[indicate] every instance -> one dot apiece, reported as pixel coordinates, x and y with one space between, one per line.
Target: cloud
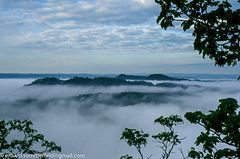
88 26
112 39
91 36
23 4
85 126
146 3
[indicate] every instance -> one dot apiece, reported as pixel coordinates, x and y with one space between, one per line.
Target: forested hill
159 77
98 81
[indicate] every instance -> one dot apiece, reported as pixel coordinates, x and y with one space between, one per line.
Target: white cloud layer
60 36
95 128
113 26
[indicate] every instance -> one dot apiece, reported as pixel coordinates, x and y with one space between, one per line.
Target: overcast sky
93 36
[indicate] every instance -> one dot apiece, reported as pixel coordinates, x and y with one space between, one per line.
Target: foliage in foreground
220 138
214 25
18 137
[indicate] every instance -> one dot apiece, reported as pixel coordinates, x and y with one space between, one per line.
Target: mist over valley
90 118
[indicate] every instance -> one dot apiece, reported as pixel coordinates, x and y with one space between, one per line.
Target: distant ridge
159 77
187 76
101 81
46 75
131 77
98 81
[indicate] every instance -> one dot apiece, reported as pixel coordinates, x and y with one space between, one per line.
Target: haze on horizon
93 36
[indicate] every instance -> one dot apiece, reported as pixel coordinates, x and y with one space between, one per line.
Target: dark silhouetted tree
18 137
221 136
167 140
215 24
135 138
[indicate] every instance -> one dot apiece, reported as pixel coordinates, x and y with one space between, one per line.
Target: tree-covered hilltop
47 81
99 81
104 81
107 99
159 77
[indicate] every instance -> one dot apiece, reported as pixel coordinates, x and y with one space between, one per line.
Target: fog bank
91 125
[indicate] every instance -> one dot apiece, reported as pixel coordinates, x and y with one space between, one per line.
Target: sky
94 36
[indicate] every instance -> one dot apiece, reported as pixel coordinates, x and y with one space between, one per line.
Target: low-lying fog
90 120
